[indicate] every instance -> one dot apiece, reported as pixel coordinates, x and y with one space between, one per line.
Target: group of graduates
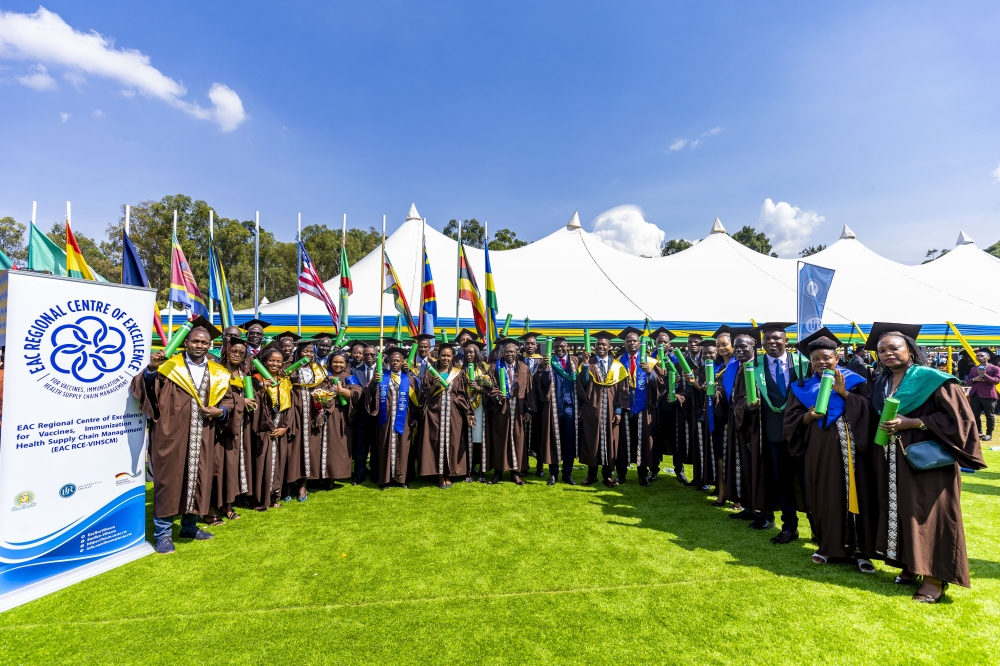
738 407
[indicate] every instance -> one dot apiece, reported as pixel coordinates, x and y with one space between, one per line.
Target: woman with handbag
919 481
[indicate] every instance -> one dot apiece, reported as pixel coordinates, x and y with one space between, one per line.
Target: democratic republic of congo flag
469 290
428 299
491 301
392 286
183 288
76 265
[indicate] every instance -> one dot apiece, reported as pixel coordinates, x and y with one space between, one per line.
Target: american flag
310 283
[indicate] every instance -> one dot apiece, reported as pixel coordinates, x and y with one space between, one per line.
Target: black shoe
644 481
682 478
551 481
761 524
496 479
705 489
745 514
652 475
517 479
785 536
164 546
714 492
539 472
482 479
568 480
197 533
589 481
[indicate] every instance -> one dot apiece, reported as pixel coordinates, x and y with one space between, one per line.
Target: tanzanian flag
346 286
183 288
469 290
428 299
491 302
393 286
218 288
76 265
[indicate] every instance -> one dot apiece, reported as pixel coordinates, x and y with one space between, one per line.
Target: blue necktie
779 377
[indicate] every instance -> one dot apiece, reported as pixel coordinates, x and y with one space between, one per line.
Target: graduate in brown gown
920 512
477 390
270 430
602 391
233 457
665 414
336 463
556 422
703 423
724 363
186 398
684 414
391 398
305 449
445 412
838 481
739 467
507 445
255 340
636 436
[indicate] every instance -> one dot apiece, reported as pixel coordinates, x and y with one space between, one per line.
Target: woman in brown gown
271 427
474 436
308 421
233 455
920 513
335 459
444 413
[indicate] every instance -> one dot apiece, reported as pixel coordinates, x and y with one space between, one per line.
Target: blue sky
883 116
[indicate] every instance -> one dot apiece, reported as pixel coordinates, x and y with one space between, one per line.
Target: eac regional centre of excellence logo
83 348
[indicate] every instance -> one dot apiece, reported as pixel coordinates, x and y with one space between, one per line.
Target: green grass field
482 574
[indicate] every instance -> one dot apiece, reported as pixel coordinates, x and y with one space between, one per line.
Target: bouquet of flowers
322 397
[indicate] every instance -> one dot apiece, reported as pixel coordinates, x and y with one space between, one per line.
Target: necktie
631 365
779 377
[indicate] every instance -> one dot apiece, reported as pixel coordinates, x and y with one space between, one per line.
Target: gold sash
319 375
439 388
616 373
281 394
175 370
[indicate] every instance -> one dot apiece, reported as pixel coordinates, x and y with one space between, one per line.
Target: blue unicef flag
814 287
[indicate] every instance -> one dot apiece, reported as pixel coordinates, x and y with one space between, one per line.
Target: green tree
505 239
812 249
474 235
931 255
756 241
674 246
12 240
92 254
994 249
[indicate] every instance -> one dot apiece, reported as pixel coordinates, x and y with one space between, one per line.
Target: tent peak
413 214
847 233
964 239
574 222
717 227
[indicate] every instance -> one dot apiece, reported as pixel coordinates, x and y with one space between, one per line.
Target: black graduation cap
475 335
354 343
389 351
235 340
707 342
446 345
722 329
629 329
749 331
323 334
425 336
201 322
603 335
803 344
479 345
558 338
505 341
774 326
247 324
662 329
288 334
529 334
880 328
304 342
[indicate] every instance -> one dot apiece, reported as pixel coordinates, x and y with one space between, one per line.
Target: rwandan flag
491 302
428 299
218 288
468 290
134 274
392 286
346 286
76 265
183 288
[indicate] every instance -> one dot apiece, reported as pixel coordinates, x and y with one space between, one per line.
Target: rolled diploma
177 338
262 370
825 387
888 414
750 379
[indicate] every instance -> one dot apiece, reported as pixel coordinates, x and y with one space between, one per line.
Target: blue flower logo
88 349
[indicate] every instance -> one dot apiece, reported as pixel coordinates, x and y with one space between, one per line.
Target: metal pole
344 297
170 303
211 243
34 209
128 215
458 277
489 313
298 272
128 212
256 266
69 222
381 293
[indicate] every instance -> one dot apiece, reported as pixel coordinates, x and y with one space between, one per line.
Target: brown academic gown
547 438
232 452
339 433
440 449
829 454
269 454
636 435
507 445
598 443
751 475
305 450
922 531
699 437
173 455
393 448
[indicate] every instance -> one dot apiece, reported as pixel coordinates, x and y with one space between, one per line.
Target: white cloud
713 131
691 144
76 79
128 94
789 227
98 113
46 38
678 145
63 117
39 79
996 175
625 229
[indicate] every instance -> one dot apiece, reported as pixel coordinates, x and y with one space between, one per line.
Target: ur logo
812 324
88 349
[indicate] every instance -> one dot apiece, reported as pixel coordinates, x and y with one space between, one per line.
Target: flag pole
211 246
170 303
34 209
256 265
489 312
458 277
128 212
343 305
381 293
69 222
128 215
298 292
423 251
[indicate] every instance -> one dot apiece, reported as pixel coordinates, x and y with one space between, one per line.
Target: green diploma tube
177 338
888 414
548 347
506 325
665 362
710 377
341 399
262 370
340 337
444 335
431 369
413 354
471 369
298 364
750 379
643 349
671 383
378 363
825 387
248 387
685 366
586 341
502 377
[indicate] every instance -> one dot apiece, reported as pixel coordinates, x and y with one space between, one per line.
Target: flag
183 288
346 286
814 287
428 299
310 283
218 288
491 301
393 286
5 263
468 290
45 256
134 274
76 265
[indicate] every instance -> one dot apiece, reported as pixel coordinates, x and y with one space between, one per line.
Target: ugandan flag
76 265
392 286
468 290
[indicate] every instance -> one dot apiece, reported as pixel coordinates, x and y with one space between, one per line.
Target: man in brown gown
508 448
702 408
185 399
602 392
556 419
636 436
391 399
444 413
744 471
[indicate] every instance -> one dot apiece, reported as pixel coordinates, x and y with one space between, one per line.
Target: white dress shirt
772 367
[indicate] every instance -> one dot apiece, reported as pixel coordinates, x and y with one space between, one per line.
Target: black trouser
567 438
782 471
365 434
625 448
983 406
605 471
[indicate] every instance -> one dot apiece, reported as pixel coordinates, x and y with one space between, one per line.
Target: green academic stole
175 370
760 369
